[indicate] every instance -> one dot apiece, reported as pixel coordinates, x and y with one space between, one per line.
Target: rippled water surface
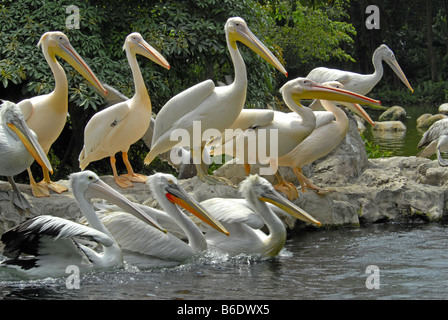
412 263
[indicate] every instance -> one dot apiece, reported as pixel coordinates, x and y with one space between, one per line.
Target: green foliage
311 33
374 151
426 92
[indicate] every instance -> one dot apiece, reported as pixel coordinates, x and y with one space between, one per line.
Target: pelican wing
137 236
429 150
233 211
322 74
27 108
99 127
437 129
248 118
25 237
180 105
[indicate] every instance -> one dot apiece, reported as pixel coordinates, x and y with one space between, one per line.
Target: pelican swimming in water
213 107
45 245
290 128
117 127
362 83
244 219
435 141
18 148
46 115
145 246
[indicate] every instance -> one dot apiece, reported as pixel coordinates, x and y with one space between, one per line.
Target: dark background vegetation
190 34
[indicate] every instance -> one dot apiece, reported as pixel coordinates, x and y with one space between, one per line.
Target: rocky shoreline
363 190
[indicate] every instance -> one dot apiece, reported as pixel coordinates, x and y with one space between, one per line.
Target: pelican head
237 30
167 183
303 88
386 54
57 44
90 185
135 44
264 191
12 117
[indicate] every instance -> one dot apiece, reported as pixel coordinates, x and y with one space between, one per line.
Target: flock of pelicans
45 245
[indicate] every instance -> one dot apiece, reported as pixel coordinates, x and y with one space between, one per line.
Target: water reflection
402 143
392 140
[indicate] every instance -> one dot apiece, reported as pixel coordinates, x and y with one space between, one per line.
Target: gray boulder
443 108
395 113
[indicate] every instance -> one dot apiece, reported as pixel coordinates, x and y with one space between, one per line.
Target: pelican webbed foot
135 177
16 196
306 183
17 199
37 190
122 182
52 186
131 175
287 188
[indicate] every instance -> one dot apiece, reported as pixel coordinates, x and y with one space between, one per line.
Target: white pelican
291 128
185 169
45 245
320 142
117 127
46 114
18 149
362 83
212 107
145 246
244 218
435 141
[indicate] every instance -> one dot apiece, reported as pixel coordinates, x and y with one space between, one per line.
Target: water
401 143
323 264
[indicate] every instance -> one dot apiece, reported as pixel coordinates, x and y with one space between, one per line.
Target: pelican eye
170 181
91 178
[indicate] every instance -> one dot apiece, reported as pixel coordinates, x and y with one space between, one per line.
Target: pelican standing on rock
435 141
362 83
211 107
145 246
18 148
321 141
291 128
244 219
46 115
45 245
117 127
